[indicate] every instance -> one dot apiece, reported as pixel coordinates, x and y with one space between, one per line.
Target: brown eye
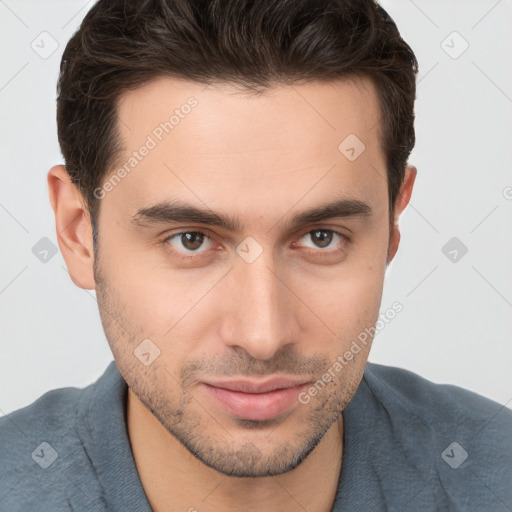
324 240
321 238
189 242
192 241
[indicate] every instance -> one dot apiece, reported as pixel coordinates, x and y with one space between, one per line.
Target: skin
261 159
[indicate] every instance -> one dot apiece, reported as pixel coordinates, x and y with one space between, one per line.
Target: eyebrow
176 211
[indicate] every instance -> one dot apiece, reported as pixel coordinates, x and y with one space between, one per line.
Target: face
240 255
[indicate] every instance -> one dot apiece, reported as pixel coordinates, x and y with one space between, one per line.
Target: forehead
335 108
211 142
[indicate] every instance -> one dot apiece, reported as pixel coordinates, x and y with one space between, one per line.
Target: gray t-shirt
410 445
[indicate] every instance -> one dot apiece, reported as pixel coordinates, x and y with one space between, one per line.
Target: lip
256 400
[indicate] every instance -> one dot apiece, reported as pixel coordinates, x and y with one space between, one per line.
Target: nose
258 310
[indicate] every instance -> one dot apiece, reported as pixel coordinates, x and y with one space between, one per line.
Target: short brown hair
124 44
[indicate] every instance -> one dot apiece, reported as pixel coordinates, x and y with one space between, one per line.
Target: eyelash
344 239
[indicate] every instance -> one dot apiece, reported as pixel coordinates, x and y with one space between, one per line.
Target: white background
456 320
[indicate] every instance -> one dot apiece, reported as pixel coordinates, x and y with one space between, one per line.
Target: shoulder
43 457
442 404
459 440
51 415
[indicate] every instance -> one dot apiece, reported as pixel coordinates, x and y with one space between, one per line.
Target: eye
323 238
188 241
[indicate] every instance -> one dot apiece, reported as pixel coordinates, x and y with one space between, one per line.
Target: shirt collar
370 458
103 426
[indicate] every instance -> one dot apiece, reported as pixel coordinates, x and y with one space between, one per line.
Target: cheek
132 272
348 304
170 307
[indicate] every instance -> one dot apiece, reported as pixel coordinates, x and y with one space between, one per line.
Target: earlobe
73 225
402 201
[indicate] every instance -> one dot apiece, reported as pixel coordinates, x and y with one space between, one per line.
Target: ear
74 231
402 201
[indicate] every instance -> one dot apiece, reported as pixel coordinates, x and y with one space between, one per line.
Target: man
235 172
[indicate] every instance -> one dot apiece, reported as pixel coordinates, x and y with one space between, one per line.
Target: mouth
256 400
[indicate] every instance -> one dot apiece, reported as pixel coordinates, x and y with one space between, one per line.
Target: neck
174 479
